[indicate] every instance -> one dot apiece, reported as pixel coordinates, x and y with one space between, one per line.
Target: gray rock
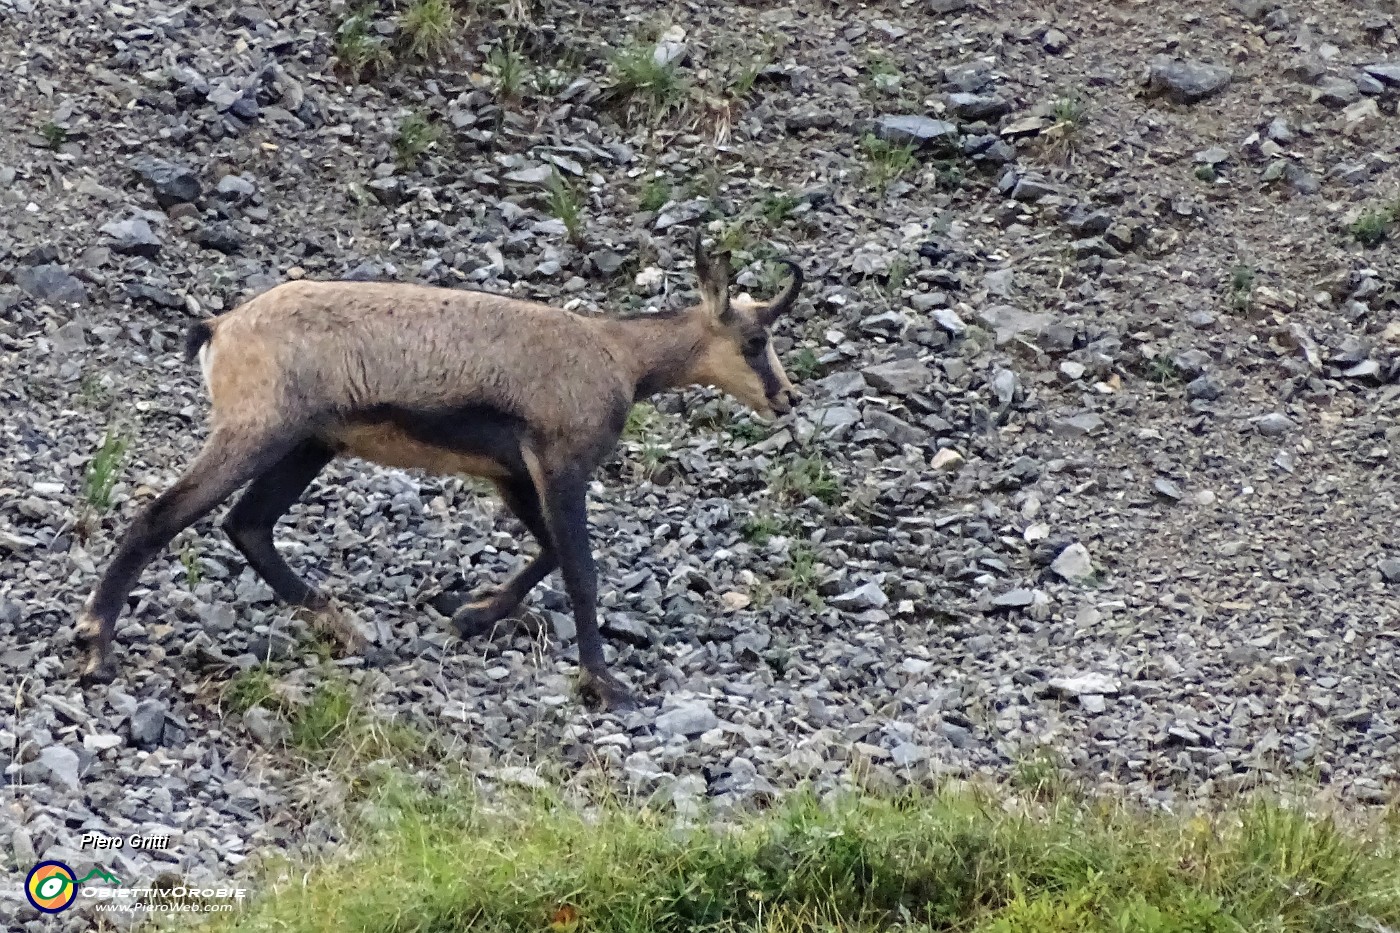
133 236
948 319
1203 388
1009 321
896 429
899 377
914 130
906 754
1030 188
235 188
1390 570
1091 684
171 182
689 720
1186 82
60 764
865 596
148 723
1167 489
978 106
1387 73
1054 41
1274 424
1014 599
1336 92
1074 563
265 728
947 6
51 283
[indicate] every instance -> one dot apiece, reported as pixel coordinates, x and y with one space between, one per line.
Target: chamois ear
781 304
712 274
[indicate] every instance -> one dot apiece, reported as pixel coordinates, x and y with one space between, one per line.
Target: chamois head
737 356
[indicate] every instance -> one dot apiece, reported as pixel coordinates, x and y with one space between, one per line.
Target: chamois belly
470 439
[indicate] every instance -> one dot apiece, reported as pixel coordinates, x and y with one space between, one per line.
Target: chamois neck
660 350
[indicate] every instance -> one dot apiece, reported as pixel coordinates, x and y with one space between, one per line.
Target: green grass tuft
416 135
508 70
54 135
807 476
656 193
250 688
428 28
1373 227
885 162
635 73
565 202
948 861
358 50
103 471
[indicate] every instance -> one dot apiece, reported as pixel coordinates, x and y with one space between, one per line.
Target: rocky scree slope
1099 347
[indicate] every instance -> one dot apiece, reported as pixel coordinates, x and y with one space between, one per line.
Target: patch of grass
800 583
93 394
508 70
103 471
885 162
635 73
656 193
54 135
565 202
327 718
950 860
1373 226
189 559
1240 288
777 208
896 275
744 81
884 74
805 477
640 421
428 28
1162 369
249 688
747 431
761 528
804 365
1206 173
1061 139
416 135
358 49
1041 776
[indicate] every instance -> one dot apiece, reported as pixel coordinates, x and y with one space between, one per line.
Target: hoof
447 603
475 619
98 669
607 692
314 601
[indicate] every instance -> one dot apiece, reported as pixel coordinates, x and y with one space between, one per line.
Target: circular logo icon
51 887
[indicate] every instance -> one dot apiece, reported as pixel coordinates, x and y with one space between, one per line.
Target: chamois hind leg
228 460
477 617
250 522
566 512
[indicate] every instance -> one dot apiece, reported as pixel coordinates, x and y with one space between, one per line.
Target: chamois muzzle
784 401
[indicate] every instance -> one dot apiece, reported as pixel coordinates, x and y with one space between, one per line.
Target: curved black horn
780 305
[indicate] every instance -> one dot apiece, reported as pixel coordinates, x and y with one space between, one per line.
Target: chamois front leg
566 511
471 619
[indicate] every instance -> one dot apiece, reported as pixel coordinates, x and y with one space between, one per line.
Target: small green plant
428 28
417 134
804 364
777 208
1241 287
358 49
507 69
734 238
565 202
884 75
807 477
801 580
1206 173
1061 139
640 421
328 716
1373 226
1162 369
746 78
747 431
103 471
635 72
886 162
54 135
189 559
656 193
896 275
249 688
1041 775
93 393
761 528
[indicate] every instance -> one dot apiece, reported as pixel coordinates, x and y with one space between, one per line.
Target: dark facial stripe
764 370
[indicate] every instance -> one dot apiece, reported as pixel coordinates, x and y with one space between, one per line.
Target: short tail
196 338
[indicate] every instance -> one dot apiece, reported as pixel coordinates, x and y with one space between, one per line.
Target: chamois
528 396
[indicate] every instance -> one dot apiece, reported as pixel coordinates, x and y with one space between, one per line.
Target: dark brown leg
476 618
250 522
566 513
227 461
